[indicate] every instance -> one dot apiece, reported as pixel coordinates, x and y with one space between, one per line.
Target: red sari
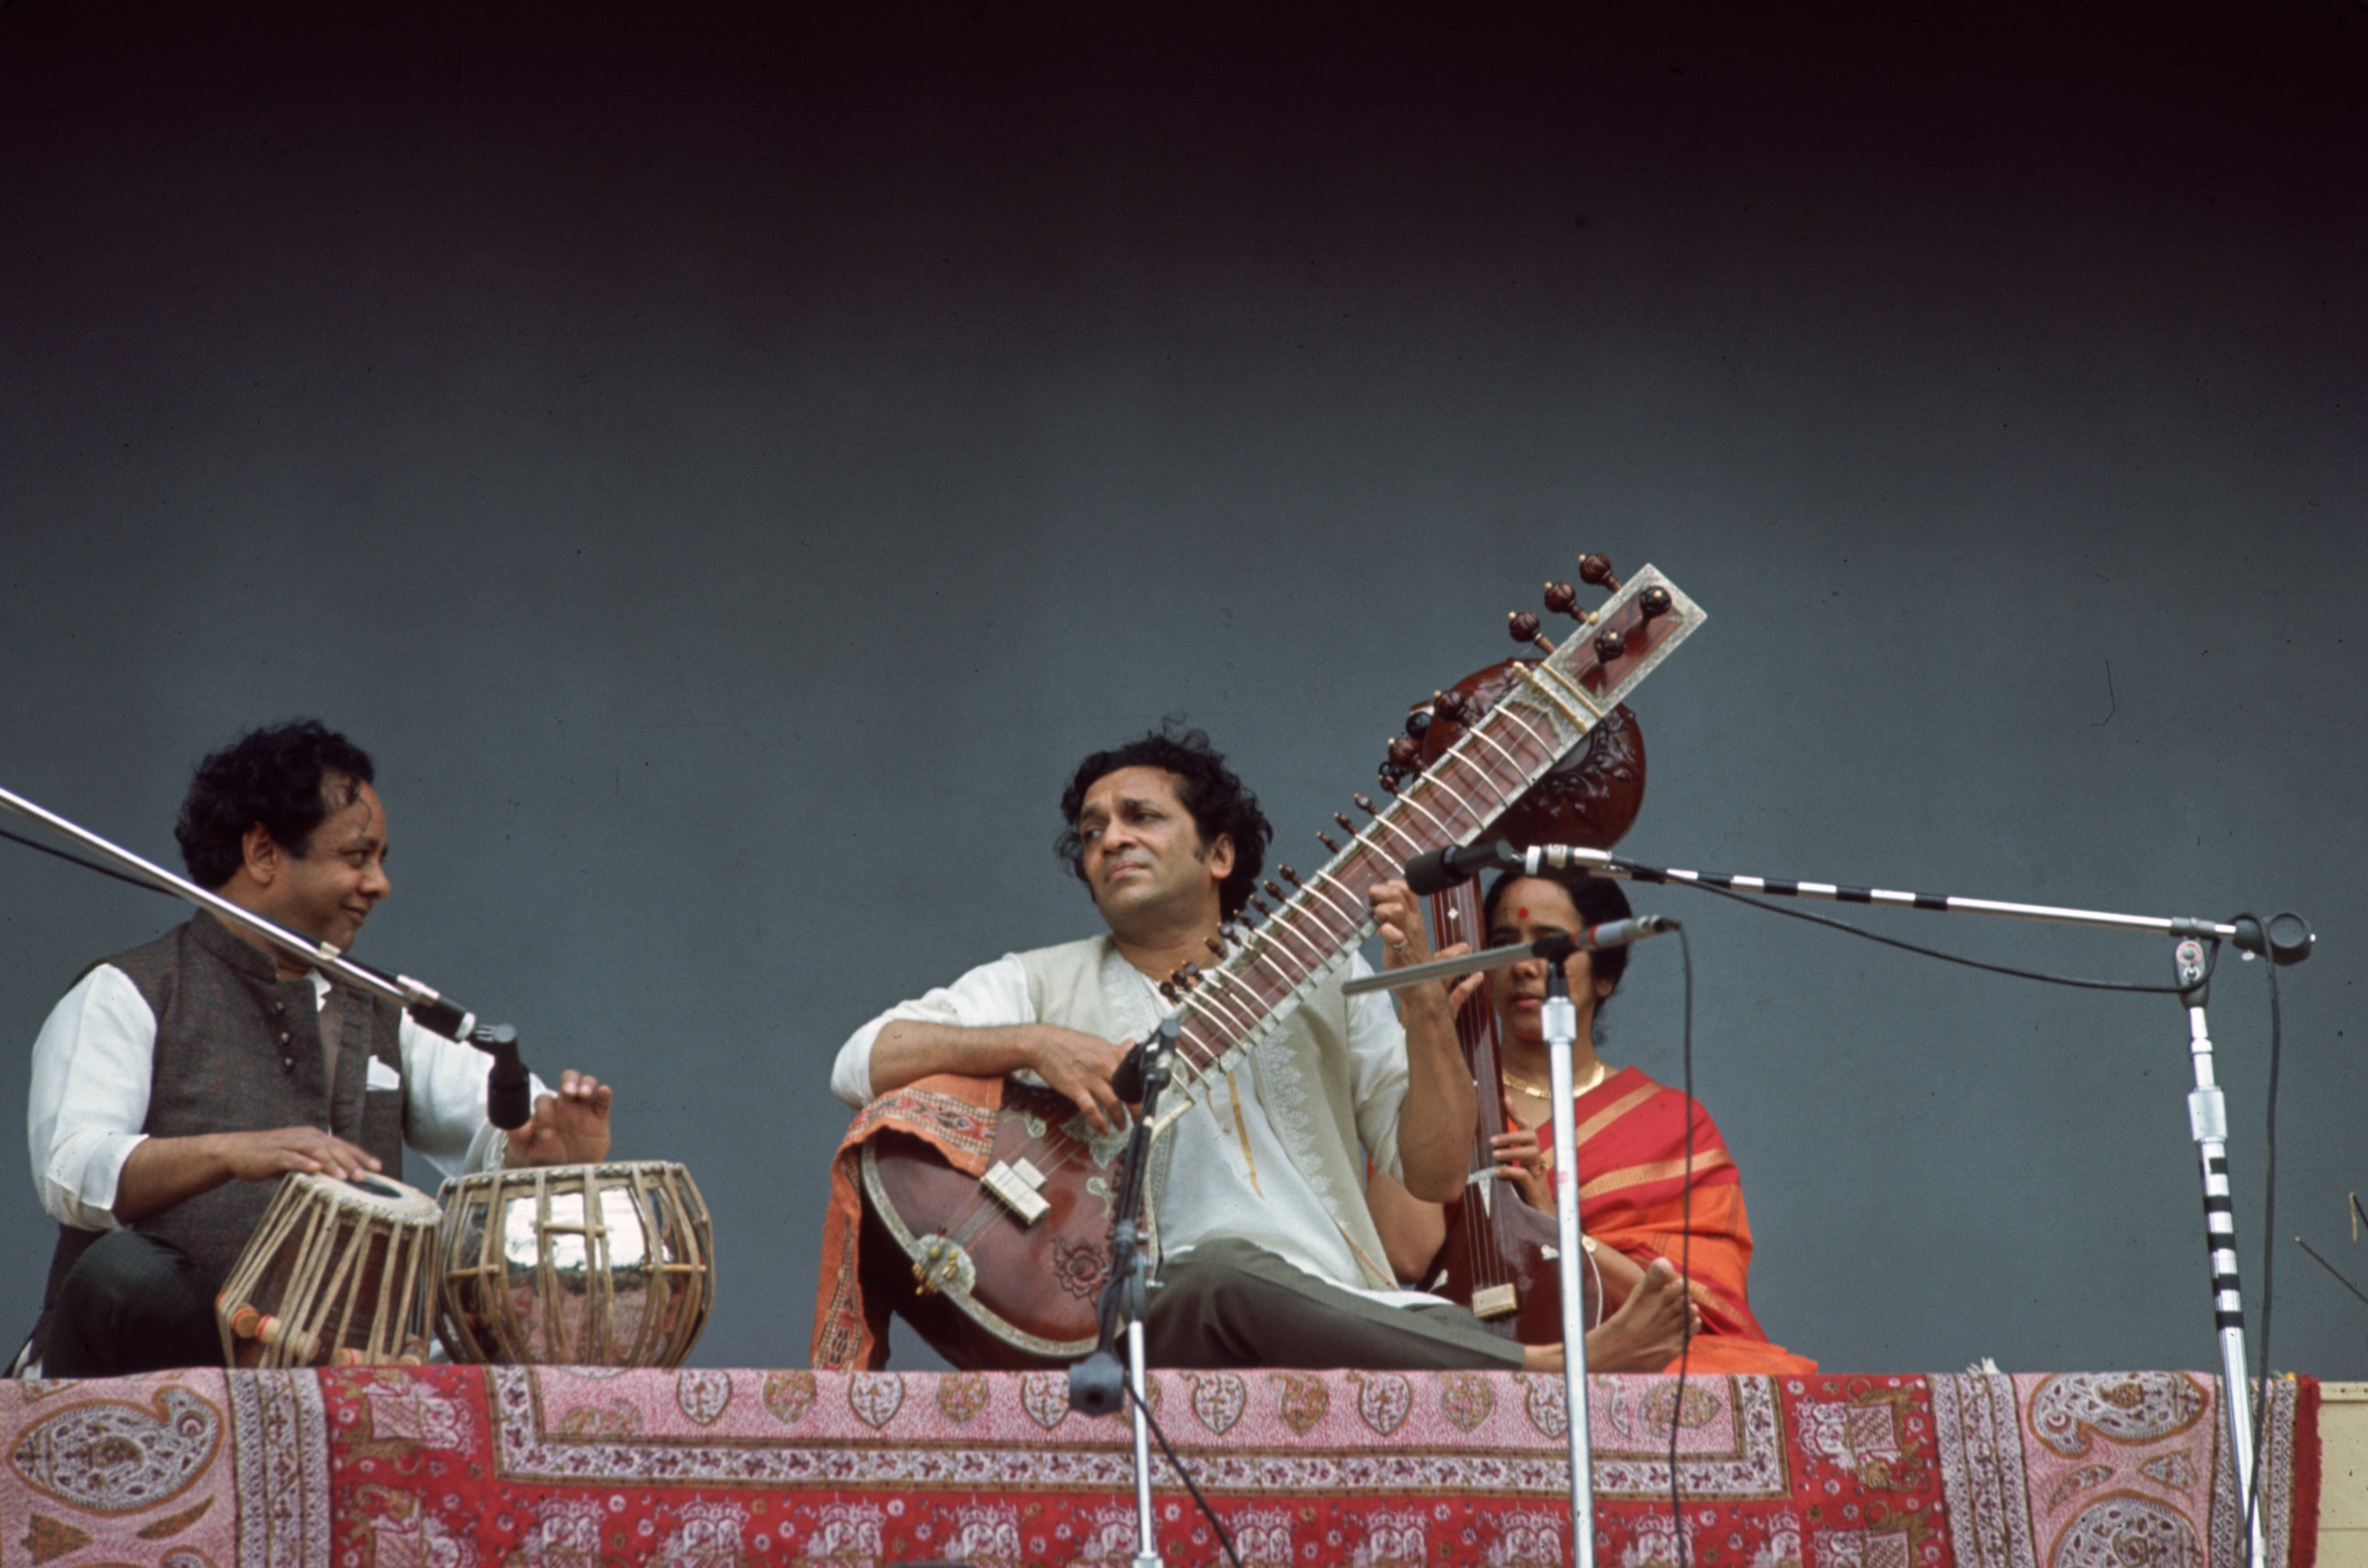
1632 1196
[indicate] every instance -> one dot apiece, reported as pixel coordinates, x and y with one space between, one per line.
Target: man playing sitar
1268 1255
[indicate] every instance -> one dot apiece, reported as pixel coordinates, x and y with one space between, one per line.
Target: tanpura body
1498 1257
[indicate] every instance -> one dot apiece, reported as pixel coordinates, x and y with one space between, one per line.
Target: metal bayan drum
609 1264
339 1273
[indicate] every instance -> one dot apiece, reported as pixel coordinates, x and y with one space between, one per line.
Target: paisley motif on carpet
452 1467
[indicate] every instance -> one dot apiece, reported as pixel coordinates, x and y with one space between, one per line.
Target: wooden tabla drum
609 1264
339 1274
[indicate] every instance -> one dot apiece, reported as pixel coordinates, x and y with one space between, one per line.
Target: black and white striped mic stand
2285 939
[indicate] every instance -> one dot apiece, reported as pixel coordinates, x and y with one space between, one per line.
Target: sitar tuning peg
1217 946
1168 989
1387 778
1272 891
1609 644
1405 752
1261 906
1527 628
1596 569
1288 874
1346 825
1452 706
1653 603
1326 839
1365 804
1562 599
1416 721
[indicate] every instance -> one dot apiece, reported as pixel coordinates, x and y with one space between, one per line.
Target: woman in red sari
1634 1165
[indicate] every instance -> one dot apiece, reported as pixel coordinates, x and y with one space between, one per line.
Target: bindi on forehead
1520 913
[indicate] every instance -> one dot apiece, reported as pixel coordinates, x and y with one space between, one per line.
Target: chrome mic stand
2207 1112
508 1102
1561 1021
1094 1383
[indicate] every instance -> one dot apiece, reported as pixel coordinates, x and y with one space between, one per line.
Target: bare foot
1643 1336
1650 1328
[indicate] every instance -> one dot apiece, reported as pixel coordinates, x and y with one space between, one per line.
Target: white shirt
1242 1183
92 1067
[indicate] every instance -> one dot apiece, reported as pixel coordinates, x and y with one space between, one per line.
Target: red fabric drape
1632 1195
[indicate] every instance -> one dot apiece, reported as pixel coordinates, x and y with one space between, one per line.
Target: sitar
1004 1272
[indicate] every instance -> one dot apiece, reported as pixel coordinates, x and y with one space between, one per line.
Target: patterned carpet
559 1468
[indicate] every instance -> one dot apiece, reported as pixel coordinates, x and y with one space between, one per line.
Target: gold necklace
1602 1071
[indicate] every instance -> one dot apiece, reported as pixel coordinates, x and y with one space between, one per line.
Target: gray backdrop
729 467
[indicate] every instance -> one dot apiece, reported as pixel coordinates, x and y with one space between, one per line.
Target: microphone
1098 1384
509 1093
1441 869
1620 932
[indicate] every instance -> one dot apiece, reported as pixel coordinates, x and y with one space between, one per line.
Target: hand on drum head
261 1156
570 1127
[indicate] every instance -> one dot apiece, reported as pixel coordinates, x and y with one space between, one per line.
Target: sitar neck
1553 704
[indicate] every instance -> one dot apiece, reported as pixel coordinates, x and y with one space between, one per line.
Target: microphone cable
1685 1248
1224 1539
55 853
2260 1396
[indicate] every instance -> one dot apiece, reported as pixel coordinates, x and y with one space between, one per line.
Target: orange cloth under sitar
1632 1196
954 1115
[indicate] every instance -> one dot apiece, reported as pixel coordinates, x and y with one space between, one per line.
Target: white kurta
1229 1174
91 1066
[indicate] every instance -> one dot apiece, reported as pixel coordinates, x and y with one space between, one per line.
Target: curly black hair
288 776
1597 901
1217 798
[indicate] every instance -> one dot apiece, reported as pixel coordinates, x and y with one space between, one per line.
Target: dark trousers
1227 1303
131 1304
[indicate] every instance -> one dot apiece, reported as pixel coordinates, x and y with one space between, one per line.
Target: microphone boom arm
428 1007
1555 951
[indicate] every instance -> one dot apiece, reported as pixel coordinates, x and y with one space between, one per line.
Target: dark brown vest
239 1049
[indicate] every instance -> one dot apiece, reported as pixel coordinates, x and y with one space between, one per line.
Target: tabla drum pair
597 1265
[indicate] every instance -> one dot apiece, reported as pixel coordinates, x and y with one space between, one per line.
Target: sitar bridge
1016 1184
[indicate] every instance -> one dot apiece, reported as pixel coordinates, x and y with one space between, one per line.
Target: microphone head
1126 1079
509 1106
1443 868
1097 1385
1435 872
